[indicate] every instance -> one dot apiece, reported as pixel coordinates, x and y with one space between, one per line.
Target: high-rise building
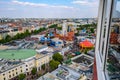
64 28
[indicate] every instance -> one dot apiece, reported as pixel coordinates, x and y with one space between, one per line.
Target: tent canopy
86 44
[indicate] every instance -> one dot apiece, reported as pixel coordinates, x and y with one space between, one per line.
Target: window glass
104 24
113 59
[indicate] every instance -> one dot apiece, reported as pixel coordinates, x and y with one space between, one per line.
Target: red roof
86 43
68 37
71 34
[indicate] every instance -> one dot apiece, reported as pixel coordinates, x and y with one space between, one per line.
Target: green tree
59 28
85 51
2 41
54 64
76 34
38 31
8 38
27 33
53 26
43 66
34 71
17 36
35 31
21 76
58 57
79 29
69 56
21 35
92 30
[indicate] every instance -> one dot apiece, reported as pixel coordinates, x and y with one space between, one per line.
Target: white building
64 28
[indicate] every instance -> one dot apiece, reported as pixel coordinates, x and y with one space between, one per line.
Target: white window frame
102 58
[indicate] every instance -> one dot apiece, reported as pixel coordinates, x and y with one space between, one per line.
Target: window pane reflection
113 60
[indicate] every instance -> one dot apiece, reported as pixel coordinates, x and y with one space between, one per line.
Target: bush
43 66
54 64
85 51
58 57
34 71
21 76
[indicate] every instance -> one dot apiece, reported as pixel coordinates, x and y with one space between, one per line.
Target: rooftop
3 47
17 54
66 73
84 60
48 76
8 64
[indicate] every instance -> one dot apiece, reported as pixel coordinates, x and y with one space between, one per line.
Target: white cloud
28 3
22 9
85 2
40 4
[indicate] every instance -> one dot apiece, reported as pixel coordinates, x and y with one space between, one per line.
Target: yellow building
42 59
0 36
3 34
9 71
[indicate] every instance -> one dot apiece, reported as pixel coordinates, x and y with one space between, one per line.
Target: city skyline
48 8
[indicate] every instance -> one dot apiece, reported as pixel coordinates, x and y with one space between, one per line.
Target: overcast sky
49 8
